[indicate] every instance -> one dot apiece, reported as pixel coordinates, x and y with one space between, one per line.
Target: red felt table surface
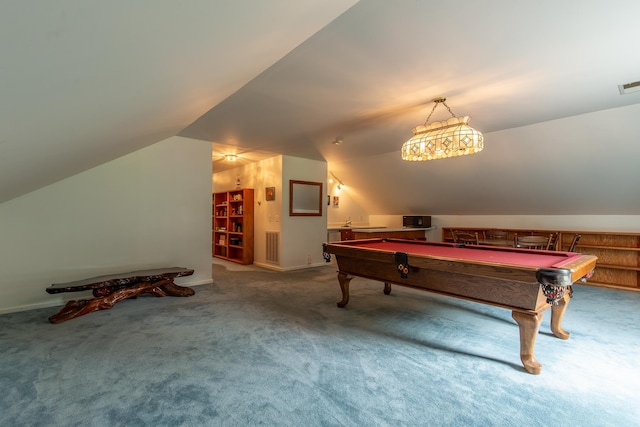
511 256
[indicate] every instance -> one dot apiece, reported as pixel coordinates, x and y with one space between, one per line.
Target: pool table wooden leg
387 288
344 281
529 326
557 313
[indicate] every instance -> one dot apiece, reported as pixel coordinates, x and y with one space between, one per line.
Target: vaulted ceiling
83 84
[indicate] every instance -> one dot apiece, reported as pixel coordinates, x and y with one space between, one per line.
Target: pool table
525 281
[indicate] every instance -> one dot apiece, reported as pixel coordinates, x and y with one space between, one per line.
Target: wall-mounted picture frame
270 193
305 198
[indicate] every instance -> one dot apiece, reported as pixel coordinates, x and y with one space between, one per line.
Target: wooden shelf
619 267
232 228
617 248
618 264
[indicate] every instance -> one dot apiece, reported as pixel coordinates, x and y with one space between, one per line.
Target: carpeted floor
259 347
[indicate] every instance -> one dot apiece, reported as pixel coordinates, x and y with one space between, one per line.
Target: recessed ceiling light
230 157
629 87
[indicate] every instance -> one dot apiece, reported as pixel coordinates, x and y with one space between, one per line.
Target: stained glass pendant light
439 140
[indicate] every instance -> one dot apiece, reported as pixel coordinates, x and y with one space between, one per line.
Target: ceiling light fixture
629 88
230 157
439 140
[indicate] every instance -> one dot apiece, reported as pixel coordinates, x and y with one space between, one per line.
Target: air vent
273 247
629 87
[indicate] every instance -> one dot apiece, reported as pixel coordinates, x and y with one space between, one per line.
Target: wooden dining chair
496 234
465 237
531 242
552 245
574 243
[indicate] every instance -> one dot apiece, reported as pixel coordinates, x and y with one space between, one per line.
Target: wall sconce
340 183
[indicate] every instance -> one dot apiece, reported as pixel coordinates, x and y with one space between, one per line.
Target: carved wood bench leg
173 290
79 308
70 310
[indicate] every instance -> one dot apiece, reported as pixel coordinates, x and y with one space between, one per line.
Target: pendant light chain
435 105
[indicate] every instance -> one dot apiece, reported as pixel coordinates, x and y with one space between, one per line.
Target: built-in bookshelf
618 264
232 218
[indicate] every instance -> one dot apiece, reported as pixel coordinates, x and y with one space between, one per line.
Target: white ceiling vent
629 87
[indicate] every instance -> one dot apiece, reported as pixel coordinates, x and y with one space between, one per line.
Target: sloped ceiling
84 83
371 74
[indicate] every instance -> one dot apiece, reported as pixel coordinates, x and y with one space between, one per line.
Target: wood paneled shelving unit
408 233
618 264
232 222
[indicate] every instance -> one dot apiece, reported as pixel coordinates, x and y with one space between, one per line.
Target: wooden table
532 242
383 233
496 242
111 289
527 282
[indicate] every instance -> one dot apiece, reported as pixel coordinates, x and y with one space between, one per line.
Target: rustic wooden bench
111 289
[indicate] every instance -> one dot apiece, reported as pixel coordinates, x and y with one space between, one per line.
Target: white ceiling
82 85
376 68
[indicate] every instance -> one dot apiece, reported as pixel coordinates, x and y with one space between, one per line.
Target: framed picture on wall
270 193
305 198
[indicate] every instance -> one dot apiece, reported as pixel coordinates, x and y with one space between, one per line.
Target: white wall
347 207
303 236
151 208
580 165
267 214
611 223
